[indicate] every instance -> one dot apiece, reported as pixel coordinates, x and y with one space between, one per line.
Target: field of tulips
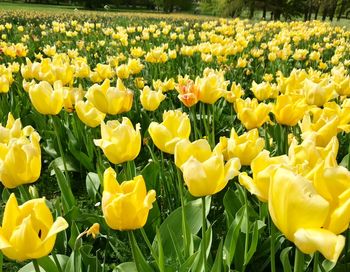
143 142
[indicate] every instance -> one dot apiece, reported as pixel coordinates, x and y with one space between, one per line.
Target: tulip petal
324 241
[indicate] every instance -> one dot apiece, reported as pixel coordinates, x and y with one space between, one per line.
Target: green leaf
285 259
92 184
140 261
186 266
68 199
172 224
328 265
74 233
58 162
5 194
46 264
217 266
90 262
150 174
232 236
253 244
126 267
74 262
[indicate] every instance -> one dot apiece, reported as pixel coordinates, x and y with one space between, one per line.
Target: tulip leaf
328 265
232 236
68 199
126 267
92 184
150 174
217 266
46 264
232 204
90 262
58 162
140 261
74 262
5 195
186 266
172 226
253 244
285 259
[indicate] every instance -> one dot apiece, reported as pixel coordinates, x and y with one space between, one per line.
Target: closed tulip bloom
120 141
289 109
251 113
125 206
211 87
184 149
89 114
110 100
175 127
45 99
28 231
245 147
262 167
210 176
20 161
318 93
135 66
123 71
299 212
150 100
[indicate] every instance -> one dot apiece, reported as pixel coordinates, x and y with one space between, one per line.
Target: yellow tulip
323 129
289 109
28 231
110 100
210 176
235 92
120 141
318 93
188 92
20 160
251 113
184 149
88 114
123 71
13 129
135 66
45 99
264 90
211 87
333 184
150 100
299 212
175 127
245 147
262 167
125 206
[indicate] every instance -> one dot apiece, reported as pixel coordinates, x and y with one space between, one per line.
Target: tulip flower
28 231
110 100
299 212
188 92
45 99
318 93
245 147
251 113
264 90
20 160
209 175
88 114
262 167
175 127
289 109
120 141
184 149
125 206
150 100
211 87
235 92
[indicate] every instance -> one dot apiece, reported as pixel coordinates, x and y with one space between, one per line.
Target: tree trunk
251 9
325 13
342 9
333 8
264 10
316 11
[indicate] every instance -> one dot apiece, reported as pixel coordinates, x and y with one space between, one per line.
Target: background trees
267 9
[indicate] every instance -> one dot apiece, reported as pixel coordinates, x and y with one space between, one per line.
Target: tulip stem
58 265
204 226
24 193
183 214
272 246
315 266
36 265
60 148
153 252
299 261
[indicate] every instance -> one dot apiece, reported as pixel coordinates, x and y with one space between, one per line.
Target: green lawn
39 7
